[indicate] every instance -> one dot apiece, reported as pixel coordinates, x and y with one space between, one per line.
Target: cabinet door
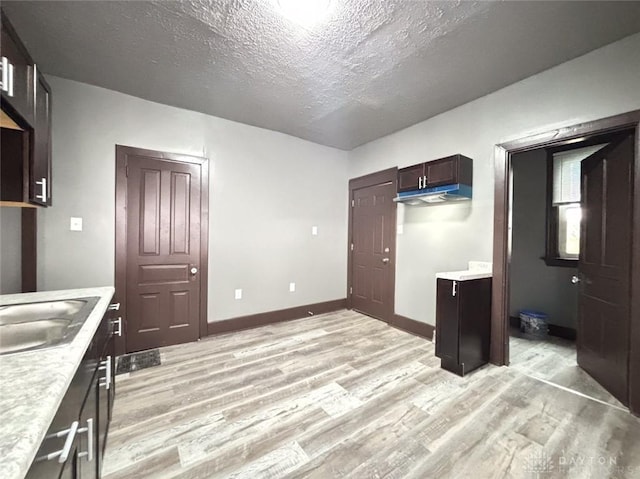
475 322
88 434
447 346
410 178
19 73
106 386
40 184
442 172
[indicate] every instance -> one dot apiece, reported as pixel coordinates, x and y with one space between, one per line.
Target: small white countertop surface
464 275
477 270
33 383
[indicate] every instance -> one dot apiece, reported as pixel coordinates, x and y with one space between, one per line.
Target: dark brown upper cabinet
444 171
25 120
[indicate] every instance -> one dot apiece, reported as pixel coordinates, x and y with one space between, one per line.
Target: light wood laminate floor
344 395
555 360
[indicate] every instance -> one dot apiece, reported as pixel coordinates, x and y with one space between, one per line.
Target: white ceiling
367 69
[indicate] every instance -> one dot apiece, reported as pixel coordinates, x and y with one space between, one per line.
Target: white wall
10 250
602 83
533 284
267 190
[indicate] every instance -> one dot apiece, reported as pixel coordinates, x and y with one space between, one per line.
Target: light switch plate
75 224
314 230
400 229
292 287
238 294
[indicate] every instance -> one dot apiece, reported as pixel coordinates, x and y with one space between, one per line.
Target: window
563 204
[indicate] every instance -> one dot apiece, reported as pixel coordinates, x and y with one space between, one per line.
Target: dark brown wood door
373 261
604 271
163 252
410 178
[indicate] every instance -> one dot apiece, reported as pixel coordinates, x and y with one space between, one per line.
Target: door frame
121 231
389 175
502 238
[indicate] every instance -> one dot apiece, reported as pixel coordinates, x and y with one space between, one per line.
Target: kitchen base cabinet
74 444
463 324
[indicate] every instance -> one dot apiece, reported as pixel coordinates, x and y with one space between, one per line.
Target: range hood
435 195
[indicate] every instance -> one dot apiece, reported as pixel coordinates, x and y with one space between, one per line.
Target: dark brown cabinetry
463 324
444 171
74 444
26 126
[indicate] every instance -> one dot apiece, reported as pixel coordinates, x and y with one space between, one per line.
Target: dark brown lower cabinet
463 324
74 444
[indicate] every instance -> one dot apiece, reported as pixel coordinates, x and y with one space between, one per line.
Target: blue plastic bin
533 324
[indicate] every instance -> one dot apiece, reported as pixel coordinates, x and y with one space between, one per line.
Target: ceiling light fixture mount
305 13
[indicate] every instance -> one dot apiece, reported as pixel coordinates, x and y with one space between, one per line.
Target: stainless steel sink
25 327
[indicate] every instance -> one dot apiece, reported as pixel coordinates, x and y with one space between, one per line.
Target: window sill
560 262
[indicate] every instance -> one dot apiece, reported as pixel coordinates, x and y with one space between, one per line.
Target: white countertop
33 383
477 270
464 275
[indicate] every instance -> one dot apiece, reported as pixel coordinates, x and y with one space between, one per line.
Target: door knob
575 279
194 270
385 260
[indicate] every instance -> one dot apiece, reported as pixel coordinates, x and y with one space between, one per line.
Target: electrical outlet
238 294
314 230
292 287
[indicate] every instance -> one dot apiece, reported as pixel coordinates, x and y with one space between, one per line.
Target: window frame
551 255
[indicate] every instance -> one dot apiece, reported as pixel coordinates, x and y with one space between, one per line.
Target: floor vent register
136 361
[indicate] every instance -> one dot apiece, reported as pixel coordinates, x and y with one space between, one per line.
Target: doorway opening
161 262
596 275
545 273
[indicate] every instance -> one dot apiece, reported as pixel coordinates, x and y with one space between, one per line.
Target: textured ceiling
366 69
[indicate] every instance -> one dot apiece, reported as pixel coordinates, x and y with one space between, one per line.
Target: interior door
604 267
373 262
163 252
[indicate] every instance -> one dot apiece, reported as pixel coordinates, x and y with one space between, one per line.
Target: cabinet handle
7 76
89 430
10 92
114 307
106 366
420 183
454 289
424 181
43 196
63 453
118 323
